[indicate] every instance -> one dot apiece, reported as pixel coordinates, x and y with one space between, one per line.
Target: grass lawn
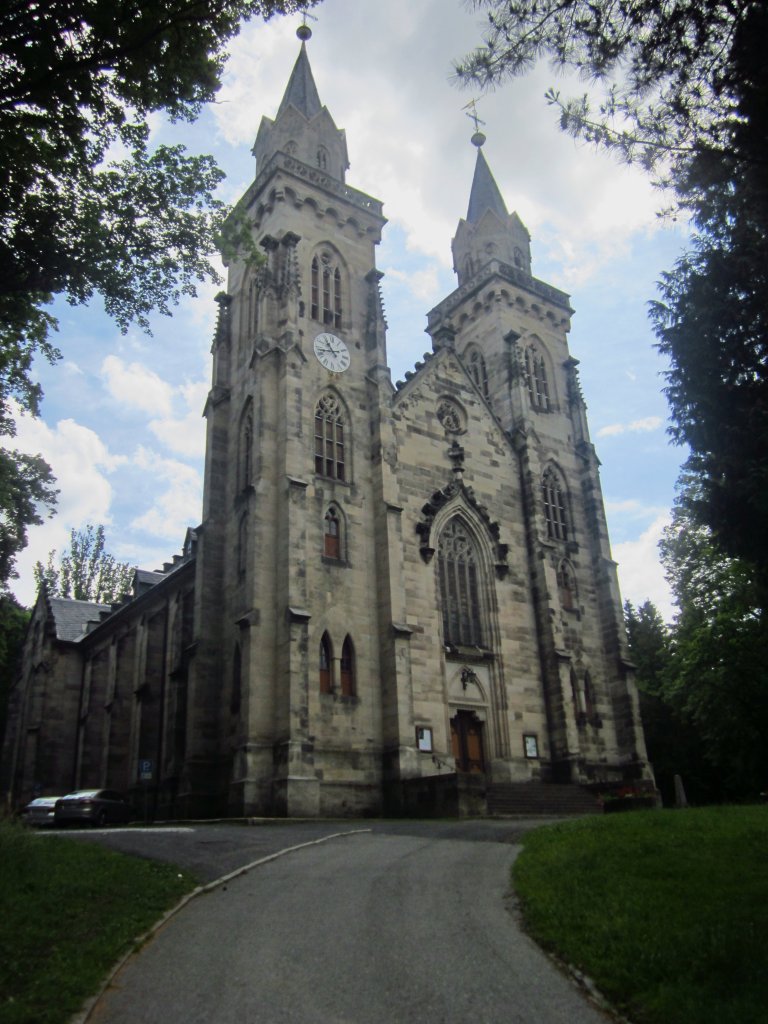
68 910
666 910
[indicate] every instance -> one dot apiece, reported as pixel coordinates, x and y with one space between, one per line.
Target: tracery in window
332 534
329 438
324 663
347 668
458 569
536 379
475 363
555 507
326 303
566 585
245 452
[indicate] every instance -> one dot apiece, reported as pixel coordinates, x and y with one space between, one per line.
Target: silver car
40 812
97 807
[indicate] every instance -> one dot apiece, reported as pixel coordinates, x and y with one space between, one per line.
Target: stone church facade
399 597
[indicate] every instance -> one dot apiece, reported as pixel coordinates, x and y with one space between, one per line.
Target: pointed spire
301 91
485 194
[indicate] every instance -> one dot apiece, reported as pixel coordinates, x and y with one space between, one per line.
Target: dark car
93 807
40 811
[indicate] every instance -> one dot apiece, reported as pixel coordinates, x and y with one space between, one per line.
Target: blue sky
121 421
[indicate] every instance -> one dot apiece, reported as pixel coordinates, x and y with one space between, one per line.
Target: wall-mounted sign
424 738
531 746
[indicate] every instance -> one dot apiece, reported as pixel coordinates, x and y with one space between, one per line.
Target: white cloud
641 426
135 385
81 463
185 435
641 575
178 501
422 285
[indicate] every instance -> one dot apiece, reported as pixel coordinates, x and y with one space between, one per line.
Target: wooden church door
467 742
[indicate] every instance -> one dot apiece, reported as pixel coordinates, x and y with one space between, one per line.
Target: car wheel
101 819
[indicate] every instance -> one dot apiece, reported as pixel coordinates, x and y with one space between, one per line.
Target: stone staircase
541 798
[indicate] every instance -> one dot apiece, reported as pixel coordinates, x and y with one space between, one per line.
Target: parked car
97 807
40 811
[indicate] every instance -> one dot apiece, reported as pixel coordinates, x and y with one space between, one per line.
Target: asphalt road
365 929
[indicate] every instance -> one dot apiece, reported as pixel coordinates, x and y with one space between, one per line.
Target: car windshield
82 794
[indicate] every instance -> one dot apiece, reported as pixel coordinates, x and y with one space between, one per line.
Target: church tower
404 596
287 576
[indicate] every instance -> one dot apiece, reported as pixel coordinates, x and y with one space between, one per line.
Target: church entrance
467 742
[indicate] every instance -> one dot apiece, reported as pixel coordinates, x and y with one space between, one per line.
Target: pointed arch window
326 299
252 313
458 569
322 158
242 546
475 363
245 454
347 667
555 505
589 696
329 439
536 379
566 585
332 534
324 664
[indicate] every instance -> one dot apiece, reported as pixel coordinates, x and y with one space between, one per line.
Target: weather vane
478 138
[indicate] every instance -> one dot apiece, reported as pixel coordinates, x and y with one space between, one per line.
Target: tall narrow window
253 308
536 379
322 158
555 511
589 695
566 585
242 546
329 439
237 682
326 685
325 299
347 669
246 448
475 363
332 543
459 586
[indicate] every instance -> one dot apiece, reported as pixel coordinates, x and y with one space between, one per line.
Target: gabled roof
485 194
71 617
301 91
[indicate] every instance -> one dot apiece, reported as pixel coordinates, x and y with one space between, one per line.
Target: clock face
332 353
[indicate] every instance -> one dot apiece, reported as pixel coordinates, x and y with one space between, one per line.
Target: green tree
87 572
682 87
717 677
86 207
26 489
13 625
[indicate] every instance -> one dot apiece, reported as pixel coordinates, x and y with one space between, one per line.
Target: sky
121 422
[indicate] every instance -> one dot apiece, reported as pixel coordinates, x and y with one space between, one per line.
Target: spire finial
304 32
478 137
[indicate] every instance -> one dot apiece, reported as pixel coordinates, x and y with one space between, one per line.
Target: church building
399 598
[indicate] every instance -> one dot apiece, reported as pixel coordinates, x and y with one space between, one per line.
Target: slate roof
301 90
72 617
485 194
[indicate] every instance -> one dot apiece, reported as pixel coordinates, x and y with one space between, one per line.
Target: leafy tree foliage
87 572
683 88
717 678
13 624
26 488
86 206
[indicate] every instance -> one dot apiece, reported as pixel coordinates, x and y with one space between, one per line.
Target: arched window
329 438
458 569
325 660
332 535
589 696
475 363
566 585
291 148
347 669
242 546
535 368
325 299
555 509
245 454
322 158
252 324
237 672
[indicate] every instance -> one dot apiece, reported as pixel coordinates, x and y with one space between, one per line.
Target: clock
332 353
